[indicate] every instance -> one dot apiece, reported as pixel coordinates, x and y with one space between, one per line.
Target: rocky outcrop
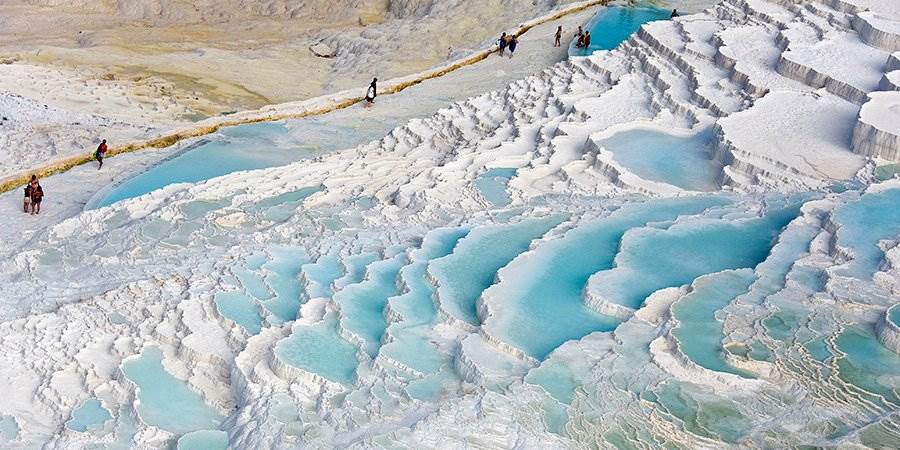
877 133
878 31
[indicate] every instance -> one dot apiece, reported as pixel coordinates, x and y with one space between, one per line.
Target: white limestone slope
390 365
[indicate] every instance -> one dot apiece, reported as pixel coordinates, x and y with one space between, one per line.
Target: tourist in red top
100 153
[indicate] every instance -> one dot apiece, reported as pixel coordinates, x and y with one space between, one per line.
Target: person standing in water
27 205
586 40
513 42
502 43
37 194
372 92
100 153
558 41
579 37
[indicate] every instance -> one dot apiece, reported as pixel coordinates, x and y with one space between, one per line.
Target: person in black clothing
513 42
372 92
558 38
502 43
674 13
27 205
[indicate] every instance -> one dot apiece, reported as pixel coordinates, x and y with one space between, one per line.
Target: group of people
34 193
583 38
508 42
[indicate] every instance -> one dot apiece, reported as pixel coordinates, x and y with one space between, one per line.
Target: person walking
372 92
37 194
502 43
26 207
558 41
100 153
513 42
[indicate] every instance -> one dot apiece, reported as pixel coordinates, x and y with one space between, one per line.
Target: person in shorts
26 207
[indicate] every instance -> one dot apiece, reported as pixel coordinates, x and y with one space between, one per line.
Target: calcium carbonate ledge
874 134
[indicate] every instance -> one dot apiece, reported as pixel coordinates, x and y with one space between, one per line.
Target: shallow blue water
245 147
863 223
288 197
613 25
252 281
781 325
165 401
242 148
544 307
894 315
241 309
819 350
652 259
284 206
555 416
653 155
204 440
556 378
320 274
718 419
411 344
198 208
362 304
416 305
699 334
793 244
320 349
887 172
492 185
431 387
126 429
867 363
282 275
9 428
355 268
89 415
413 348
284 408
474 263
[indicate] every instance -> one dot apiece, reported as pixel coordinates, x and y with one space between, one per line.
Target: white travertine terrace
427 357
